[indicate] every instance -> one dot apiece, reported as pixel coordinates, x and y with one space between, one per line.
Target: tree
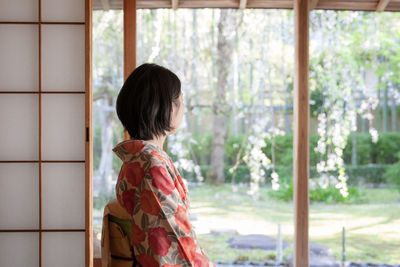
229 21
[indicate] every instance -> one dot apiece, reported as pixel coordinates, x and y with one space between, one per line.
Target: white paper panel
63 10
19 196
63 57
19 249
63 249
19 57
18 10
63 127
19 133
63 196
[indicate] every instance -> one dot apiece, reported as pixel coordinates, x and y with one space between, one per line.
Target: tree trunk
105 166
354 149
394 114
385 109
235 86
220 108
194 70
285 87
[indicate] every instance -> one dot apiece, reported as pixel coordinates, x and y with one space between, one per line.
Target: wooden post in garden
343 246
279 247
301 133
129 41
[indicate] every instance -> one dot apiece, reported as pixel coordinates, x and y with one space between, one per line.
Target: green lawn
373 228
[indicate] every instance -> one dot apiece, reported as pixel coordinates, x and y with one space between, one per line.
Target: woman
149 187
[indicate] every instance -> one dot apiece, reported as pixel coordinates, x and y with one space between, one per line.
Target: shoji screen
45 133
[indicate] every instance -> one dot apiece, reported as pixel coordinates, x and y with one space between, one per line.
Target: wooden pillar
301 133
129 37
89 134
129 41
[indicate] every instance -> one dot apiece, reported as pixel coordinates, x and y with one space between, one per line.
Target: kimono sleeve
161 232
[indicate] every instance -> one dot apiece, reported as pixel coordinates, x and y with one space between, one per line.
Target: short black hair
144 103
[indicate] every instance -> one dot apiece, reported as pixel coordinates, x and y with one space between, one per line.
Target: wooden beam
129 37
105 4
276 4
175 4
129 42
313 4
301 133
382 4
242 4
89 133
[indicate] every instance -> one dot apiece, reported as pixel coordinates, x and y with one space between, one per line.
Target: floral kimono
151 190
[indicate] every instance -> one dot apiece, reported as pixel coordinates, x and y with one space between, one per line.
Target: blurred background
234 147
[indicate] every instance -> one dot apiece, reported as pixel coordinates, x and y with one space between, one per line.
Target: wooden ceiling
365 5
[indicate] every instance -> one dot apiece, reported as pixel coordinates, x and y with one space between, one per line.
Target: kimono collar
128 148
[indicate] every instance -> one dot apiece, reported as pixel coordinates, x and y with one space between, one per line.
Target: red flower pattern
134 173
182 220
187 248
128 198
147 261
180 189
171 165
134 146
159 241
155 153
161 179
200 261
149 202
152 237
138 235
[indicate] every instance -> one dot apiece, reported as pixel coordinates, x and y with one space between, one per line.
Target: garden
234 148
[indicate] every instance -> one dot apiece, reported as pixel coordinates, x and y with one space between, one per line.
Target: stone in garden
255 242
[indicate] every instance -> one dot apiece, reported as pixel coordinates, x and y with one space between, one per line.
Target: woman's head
150 102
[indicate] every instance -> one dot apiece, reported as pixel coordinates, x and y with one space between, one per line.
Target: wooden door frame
88 135
88 129
129 9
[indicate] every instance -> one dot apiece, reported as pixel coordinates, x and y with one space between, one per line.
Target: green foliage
386 149
242 174
284 193
316 101
201 150
369 174
392 174
116 162
326 195
232 148
364 148
362 174
100 200
332 195
383 152
284 150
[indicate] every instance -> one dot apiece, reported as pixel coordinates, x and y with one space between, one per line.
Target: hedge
363 174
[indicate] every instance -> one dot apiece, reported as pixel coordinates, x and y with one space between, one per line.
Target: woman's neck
158 141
